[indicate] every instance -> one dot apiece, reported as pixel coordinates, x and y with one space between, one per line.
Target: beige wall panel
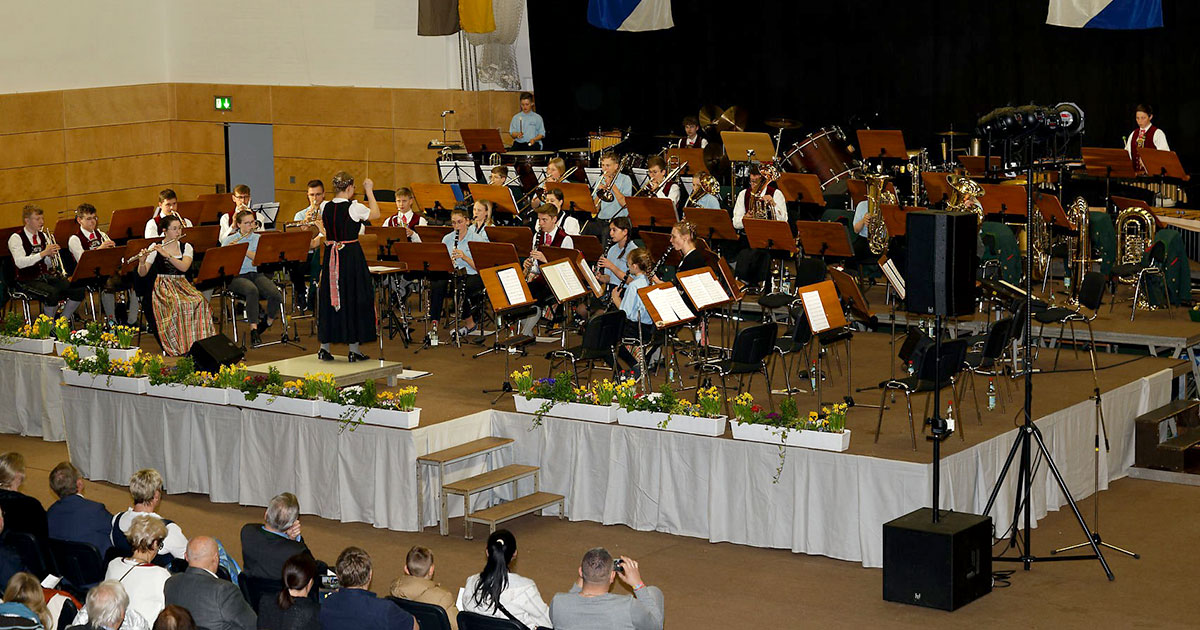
412 146
107 202
31 149
422 109
33 182
116 105
93 143
198 137
407 174
331 106
291 202
498 108
336 143
119 173
199 169
304 169
35 111
251 103
55 207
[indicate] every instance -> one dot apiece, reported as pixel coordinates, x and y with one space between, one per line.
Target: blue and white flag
630 15
1110 14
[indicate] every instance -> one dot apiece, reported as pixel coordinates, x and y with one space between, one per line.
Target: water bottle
911 369
812 376
991 395
949 416
433 340
1067 283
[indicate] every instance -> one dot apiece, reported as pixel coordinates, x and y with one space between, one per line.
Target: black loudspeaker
940 274
210 353
943 565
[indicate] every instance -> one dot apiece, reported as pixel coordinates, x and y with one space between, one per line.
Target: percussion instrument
781 123
523 162
579 157
601 140
825 153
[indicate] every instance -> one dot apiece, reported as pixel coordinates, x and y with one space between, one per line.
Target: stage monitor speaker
940 275
210 353
945 565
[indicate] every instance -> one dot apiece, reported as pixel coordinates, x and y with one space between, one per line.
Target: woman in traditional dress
180 310
347 306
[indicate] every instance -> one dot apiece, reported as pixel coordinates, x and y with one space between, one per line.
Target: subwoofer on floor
943 565
210 353
942 258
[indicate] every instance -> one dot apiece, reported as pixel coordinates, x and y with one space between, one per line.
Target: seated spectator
10 559
497 592
22 513
24 606
267 546
174 618
143 581
74 518
417 584
146 488
215 604
589 604
291 608
354 606
105 609
55 599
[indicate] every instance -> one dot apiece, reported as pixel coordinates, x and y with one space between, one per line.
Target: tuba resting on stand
1135 233
877 196
964 189
1079 249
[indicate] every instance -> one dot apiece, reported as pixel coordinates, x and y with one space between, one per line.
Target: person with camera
590 606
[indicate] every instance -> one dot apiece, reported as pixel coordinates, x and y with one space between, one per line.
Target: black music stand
426 258
278 249
501 285
129 223
651 213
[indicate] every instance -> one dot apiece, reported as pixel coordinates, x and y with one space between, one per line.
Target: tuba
1080 248
877 196
964 188
758 200
1135 233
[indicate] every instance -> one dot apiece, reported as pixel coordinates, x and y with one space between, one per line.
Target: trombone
540 190
651 190
703 184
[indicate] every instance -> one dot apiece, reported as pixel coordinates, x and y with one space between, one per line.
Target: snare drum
580 158
523 162
825 153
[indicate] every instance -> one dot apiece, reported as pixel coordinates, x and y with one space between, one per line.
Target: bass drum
825 153
523 162
580 158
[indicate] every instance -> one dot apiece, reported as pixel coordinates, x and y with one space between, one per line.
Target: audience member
146 489
10 559
143 581
215 604
174 618
354 606
73 517
291 608
497 592
105 608
589 605
22 512
417 584
267 546
24 606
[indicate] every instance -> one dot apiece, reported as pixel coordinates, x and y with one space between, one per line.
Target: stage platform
344 372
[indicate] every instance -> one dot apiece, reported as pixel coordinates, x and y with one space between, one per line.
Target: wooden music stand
824 238
133 246
857 189
704 290
385 236
194 210
97 264
519 236
589 246
733 286
664 319
203 238
220 265
802 188
936 187
1125 202
215 204
894 220
1108 163
650 212
432 233
563 279
823 311
1005 200
1052 210
693 158
493 254
882 143
1163 164
500 196
582 268
979 165
739 144
711 223
63 230
423 257
577 199
657 244
129 223
848 289
435 199
494 286
482 140
771 235
281 247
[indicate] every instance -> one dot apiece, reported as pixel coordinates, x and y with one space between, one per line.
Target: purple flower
772 416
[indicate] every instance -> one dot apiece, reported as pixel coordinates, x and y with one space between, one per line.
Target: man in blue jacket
74 518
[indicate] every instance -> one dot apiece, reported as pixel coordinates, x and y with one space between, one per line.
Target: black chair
79 563
930 375
1091 296
34 555
67 615
476 621
808 271
751 348
794 345
988 359
601 336
429 616
253 588
1142 273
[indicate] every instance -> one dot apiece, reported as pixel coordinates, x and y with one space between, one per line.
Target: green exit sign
223 103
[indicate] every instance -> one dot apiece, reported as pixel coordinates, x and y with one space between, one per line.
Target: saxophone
877 195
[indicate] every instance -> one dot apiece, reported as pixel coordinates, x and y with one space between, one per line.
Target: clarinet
658 263
533 247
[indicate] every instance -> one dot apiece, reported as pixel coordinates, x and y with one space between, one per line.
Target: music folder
563 280
703 288
665 304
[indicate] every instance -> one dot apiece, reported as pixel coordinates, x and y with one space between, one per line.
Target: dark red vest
1133 145
557 240
38 269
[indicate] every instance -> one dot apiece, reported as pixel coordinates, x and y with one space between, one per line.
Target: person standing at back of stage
347 297
1146 135
692 138
527 129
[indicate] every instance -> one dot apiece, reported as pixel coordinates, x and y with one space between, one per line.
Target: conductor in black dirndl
347 295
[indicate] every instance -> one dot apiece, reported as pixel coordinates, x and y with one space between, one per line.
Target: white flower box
90 351
282 404
574 411
377 417
32 346
211 395
125 384
235 396
821 440
679 423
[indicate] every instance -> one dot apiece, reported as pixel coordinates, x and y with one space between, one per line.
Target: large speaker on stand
942 259
210 353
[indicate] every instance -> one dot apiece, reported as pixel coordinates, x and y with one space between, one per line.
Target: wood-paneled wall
117 147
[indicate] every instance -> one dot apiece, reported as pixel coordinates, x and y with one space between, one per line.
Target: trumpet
703 184
311 218
58 260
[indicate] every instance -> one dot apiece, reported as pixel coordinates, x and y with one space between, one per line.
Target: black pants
439 284
53 289
596 227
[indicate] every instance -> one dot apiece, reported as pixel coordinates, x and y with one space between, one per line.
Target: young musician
621 186
656 170
527 128
683 240
614 263
250 284
167 202
347 295
555 170
705 200
87 238
692 138
241 201
568 223
1145 135
548 234
481 219
180 310
300 273
458 244
499 177
770 194
638 324
405 217
38 273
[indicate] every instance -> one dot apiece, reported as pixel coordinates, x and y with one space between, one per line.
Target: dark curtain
917 65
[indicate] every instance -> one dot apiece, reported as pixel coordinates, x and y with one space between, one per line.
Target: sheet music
698 290
688 182
593 174
591 279
817 319
511 281
446 172
466 171
662 305
894 277
562 280
639 176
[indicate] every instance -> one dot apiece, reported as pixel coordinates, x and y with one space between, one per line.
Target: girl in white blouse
497 592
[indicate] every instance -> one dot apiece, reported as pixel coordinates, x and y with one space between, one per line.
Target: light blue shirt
708 201
609 210
465 245
859 212
530 124
252 241
631 302
620 258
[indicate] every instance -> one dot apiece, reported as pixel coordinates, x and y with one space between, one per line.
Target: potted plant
364 404
118 341
98 371
666 410
184 382
35 338
825 431
297 397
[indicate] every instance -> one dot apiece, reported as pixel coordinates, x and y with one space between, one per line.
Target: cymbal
732 119
950 133
668 136
782 123
709 115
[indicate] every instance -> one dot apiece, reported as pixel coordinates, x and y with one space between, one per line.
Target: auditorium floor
744 587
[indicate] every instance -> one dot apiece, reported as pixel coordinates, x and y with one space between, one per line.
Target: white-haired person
107 608
267 546
143 580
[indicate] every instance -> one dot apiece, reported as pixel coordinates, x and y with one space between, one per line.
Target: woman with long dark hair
292 609
498 592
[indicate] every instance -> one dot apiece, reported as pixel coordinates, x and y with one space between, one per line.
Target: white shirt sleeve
19 258
175 543
739 210
359 212
75 246
571 226
1160 141
226 227
150 258
568 242
151 230
780 205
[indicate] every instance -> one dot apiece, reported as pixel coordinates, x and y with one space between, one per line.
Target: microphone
448 111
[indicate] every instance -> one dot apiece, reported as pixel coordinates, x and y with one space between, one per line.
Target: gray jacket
215 604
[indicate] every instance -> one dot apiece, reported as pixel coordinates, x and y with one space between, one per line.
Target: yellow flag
476 16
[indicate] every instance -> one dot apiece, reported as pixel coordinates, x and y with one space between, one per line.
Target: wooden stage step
490 479
527 504
465 451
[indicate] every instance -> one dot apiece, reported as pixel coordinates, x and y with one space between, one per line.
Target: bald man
215 604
